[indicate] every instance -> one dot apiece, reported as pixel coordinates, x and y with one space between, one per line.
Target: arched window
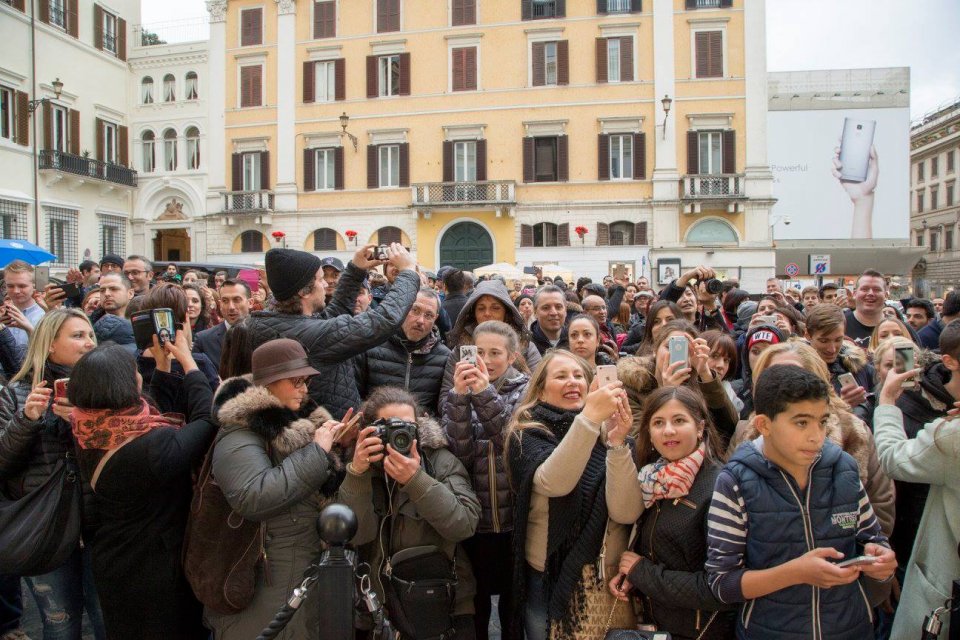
191 91
193 148
251 242
324 240
149 152
545 234
388 235
622 234
712 232
169 88
170 150
146 90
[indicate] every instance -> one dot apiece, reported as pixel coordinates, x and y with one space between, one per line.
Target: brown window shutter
526 12
404 74
44 13
264 169
325 19
98 27
603 234
47 125
636 6
121 38
23 118
448 161
601 7
716 54
603 157
122 142
256 86
100 127
730 151
690 4
404 165
73 18
526 235
340 79
245 86
626 59
726 4
563 62
639 156
702 48
601 60
309 169
308 77
388 15
464 12
251 27
19 5
539 64
693 153
561 8
481 160
373 167
372 89
640 233
457 57
563 159
470 69
563 234
338 169
237 172
74 132
529 173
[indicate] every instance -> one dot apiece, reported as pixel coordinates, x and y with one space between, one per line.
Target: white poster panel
841 173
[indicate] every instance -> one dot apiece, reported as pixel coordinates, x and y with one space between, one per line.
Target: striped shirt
728 528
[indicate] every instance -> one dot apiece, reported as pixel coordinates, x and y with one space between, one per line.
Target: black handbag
39 531
420 584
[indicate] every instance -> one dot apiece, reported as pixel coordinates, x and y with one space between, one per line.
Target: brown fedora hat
279 359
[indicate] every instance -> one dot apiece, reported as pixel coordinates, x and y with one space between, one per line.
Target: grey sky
816 34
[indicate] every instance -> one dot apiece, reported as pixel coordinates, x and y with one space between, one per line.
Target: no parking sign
793 269
820 264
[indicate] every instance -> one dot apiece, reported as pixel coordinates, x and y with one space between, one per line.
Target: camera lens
401 442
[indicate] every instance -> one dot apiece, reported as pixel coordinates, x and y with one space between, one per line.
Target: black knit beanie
289 270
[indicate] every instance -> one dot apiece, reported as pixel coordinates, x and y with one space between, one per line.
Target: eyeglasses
426 315
299 382
134 273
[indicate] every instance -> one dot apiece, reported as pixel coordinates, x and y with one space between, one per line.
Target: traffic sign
793 269
819 264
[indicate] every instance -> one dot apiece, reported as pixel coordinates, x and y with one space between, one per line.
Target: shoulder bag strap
103 463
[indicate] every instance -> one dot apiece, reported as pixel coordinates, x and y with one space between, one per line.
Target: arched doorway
172 245
466 245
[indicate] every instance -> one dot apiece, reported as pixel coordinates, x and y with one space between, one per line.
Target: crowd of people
578 457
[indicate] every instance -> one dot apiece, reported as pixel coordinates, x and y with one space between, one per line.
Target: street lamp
344 121
33 105
667 101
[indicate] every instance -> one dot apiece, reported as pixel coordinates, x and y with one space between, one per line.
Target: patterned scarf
108 429
664 479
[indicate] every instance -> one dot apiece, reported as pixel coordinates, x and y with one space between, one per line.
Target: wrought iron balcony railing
713 186
247 201
51 159
490 192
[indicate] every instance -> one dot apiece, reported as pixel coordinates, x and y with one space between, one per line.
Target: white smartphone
847 380
606 373
857 561
468 353
855 144
767 320
904 359
679 347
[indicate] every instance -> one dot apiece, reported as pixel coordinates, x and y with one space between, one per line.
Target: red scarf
107 429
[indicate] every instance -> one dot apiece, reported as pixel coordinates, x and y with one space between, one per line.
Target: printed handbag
39 531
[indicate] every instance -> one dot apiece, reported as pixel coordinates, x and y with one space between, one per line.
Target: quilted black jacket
333 337
670 579
415 366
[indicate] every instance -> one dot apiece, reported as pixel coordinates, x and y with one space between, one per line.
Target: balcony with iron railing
247 201
618 6
544 9
68 163
463 194
713 186
707 4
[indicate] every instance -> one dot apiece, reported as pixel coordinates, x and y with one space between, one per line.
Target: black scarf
577 521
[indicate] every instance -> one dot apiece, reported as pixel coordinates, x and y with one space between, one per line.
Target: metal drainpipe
34 115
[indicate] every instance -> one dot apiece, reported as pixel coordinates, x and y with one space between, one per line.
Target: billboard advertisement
841 173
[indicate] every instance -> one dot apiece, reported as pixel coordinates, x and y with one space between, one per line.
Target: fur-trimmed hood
853 358
844 429
429 434
636 373
239 404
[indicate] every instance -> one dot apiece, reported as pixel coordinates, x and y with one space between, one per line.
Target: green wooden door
467 246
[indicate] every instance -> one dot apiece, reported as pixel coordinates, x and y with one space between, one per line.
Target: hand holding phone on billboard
856 168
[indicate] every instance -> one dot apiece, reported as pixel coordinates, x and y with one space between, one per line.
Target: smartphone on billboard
855 144
678 347
904 359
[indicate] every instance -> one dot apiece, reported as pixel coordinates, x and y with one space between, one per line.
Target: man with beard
110 322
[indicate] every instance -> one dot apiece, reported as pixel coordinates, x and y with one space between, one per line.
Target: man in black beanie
330 333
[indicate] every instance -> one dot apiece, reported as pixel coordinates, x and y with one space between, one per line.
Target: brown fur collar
241 405
843 429
636 373
429 434
853 358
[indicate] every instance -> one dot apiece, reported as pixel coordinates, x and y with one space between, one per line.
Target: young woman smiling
583 332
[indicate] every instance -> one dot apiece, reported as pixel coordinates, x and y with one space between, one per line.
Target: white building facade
67 182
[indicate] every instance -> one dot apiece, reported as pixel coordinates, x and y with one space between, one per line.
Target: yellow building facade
598 135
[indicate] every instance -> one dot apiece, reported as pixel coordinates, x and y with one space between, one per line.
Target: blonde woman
889 328
556 457
35 436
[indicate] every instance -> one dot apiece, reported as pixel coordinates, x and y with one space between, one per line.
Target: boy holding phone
786 508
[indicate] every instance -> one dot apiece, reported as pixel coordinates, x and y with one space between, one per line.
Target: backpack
221 549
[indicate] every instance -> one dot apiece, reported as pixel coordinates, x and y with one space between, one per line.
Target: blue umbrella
30 253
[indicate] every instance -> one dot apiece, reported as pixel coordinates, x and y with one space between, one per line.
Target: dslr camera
398 433
714 286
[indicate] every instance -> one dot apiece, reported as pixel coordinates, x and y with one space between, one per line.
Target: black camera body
398 433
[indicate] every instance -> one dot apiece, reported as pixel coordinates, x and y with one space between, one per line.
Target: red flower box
582 231
351 234
278 234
